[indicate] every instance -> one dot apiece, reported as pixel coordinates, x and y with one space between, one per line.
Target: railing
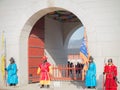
63 72
59 72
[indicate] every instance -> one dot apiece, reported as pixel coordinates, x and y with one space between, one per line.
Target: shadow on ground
78 84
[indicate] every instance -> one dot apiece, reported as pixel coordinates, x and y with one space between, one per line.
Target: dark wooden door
35 49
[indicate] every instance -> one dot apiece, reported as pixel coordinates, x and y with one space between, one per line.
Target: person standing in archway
44 70
110 70
12 78
90 79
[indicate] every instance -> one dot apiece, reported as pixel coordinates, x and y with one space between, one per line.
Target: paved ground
54 86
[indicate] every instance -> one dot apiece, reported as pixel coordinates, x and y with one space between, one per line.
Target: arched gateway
48 35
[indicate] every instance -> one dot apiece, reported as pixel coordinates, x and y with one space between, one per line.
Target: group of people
110 74
44 69
78 69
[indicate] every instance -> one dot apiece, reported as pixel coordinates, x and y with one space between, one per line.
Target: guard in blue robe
90 80
12 78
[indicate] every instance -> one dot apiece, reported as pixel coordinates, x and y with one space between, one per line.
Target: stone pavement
56 85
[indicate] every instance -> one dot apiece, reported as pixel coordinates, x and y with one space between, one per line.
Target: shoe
10 84
89 87
14 84
48 86
42 86
93 87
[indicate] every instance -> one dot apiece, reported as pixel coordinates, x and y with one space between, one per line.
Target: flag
84 53
3 57
3 66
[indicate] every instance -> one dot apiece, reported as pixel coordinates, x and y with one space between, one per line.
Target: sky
75 40
78 34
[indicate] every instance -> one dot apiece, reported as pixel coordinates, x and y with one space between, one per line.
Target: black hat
12 60
91 58
110 60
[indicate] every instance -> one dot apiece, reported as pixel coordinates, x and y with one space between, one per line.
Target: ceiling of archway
63 16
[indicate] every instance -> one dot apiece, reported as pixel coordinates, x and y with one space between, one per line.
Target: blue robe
12 77
90 80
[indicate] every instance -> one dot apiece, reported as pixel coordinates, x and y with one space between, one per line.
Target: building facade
101 18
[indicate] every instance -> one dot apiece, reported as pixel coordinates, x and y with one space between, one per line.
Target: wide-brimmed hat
44 58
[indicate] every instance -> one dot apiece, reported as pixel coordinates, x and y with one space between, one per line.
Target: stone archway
24 39
24 42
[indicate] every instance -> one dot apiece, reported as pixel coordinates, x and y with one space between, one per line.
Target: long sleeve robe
90 79
44 70
12 77
111 73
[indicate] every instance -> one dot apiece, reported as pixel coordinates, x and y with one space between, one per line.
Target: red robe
111 72
44 73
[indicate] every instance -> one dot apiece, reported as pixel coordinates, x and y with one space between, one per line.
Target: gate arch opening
56 53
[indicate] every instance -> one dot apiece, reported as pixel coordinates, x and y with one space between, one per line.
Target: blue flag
83 48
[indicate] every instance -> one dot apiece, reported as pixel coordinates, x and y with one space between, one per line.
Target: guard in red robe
44 70
110 70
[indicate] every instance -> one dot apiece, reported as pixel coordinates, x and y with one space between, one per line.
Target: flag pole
103 74
84 54
3 57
